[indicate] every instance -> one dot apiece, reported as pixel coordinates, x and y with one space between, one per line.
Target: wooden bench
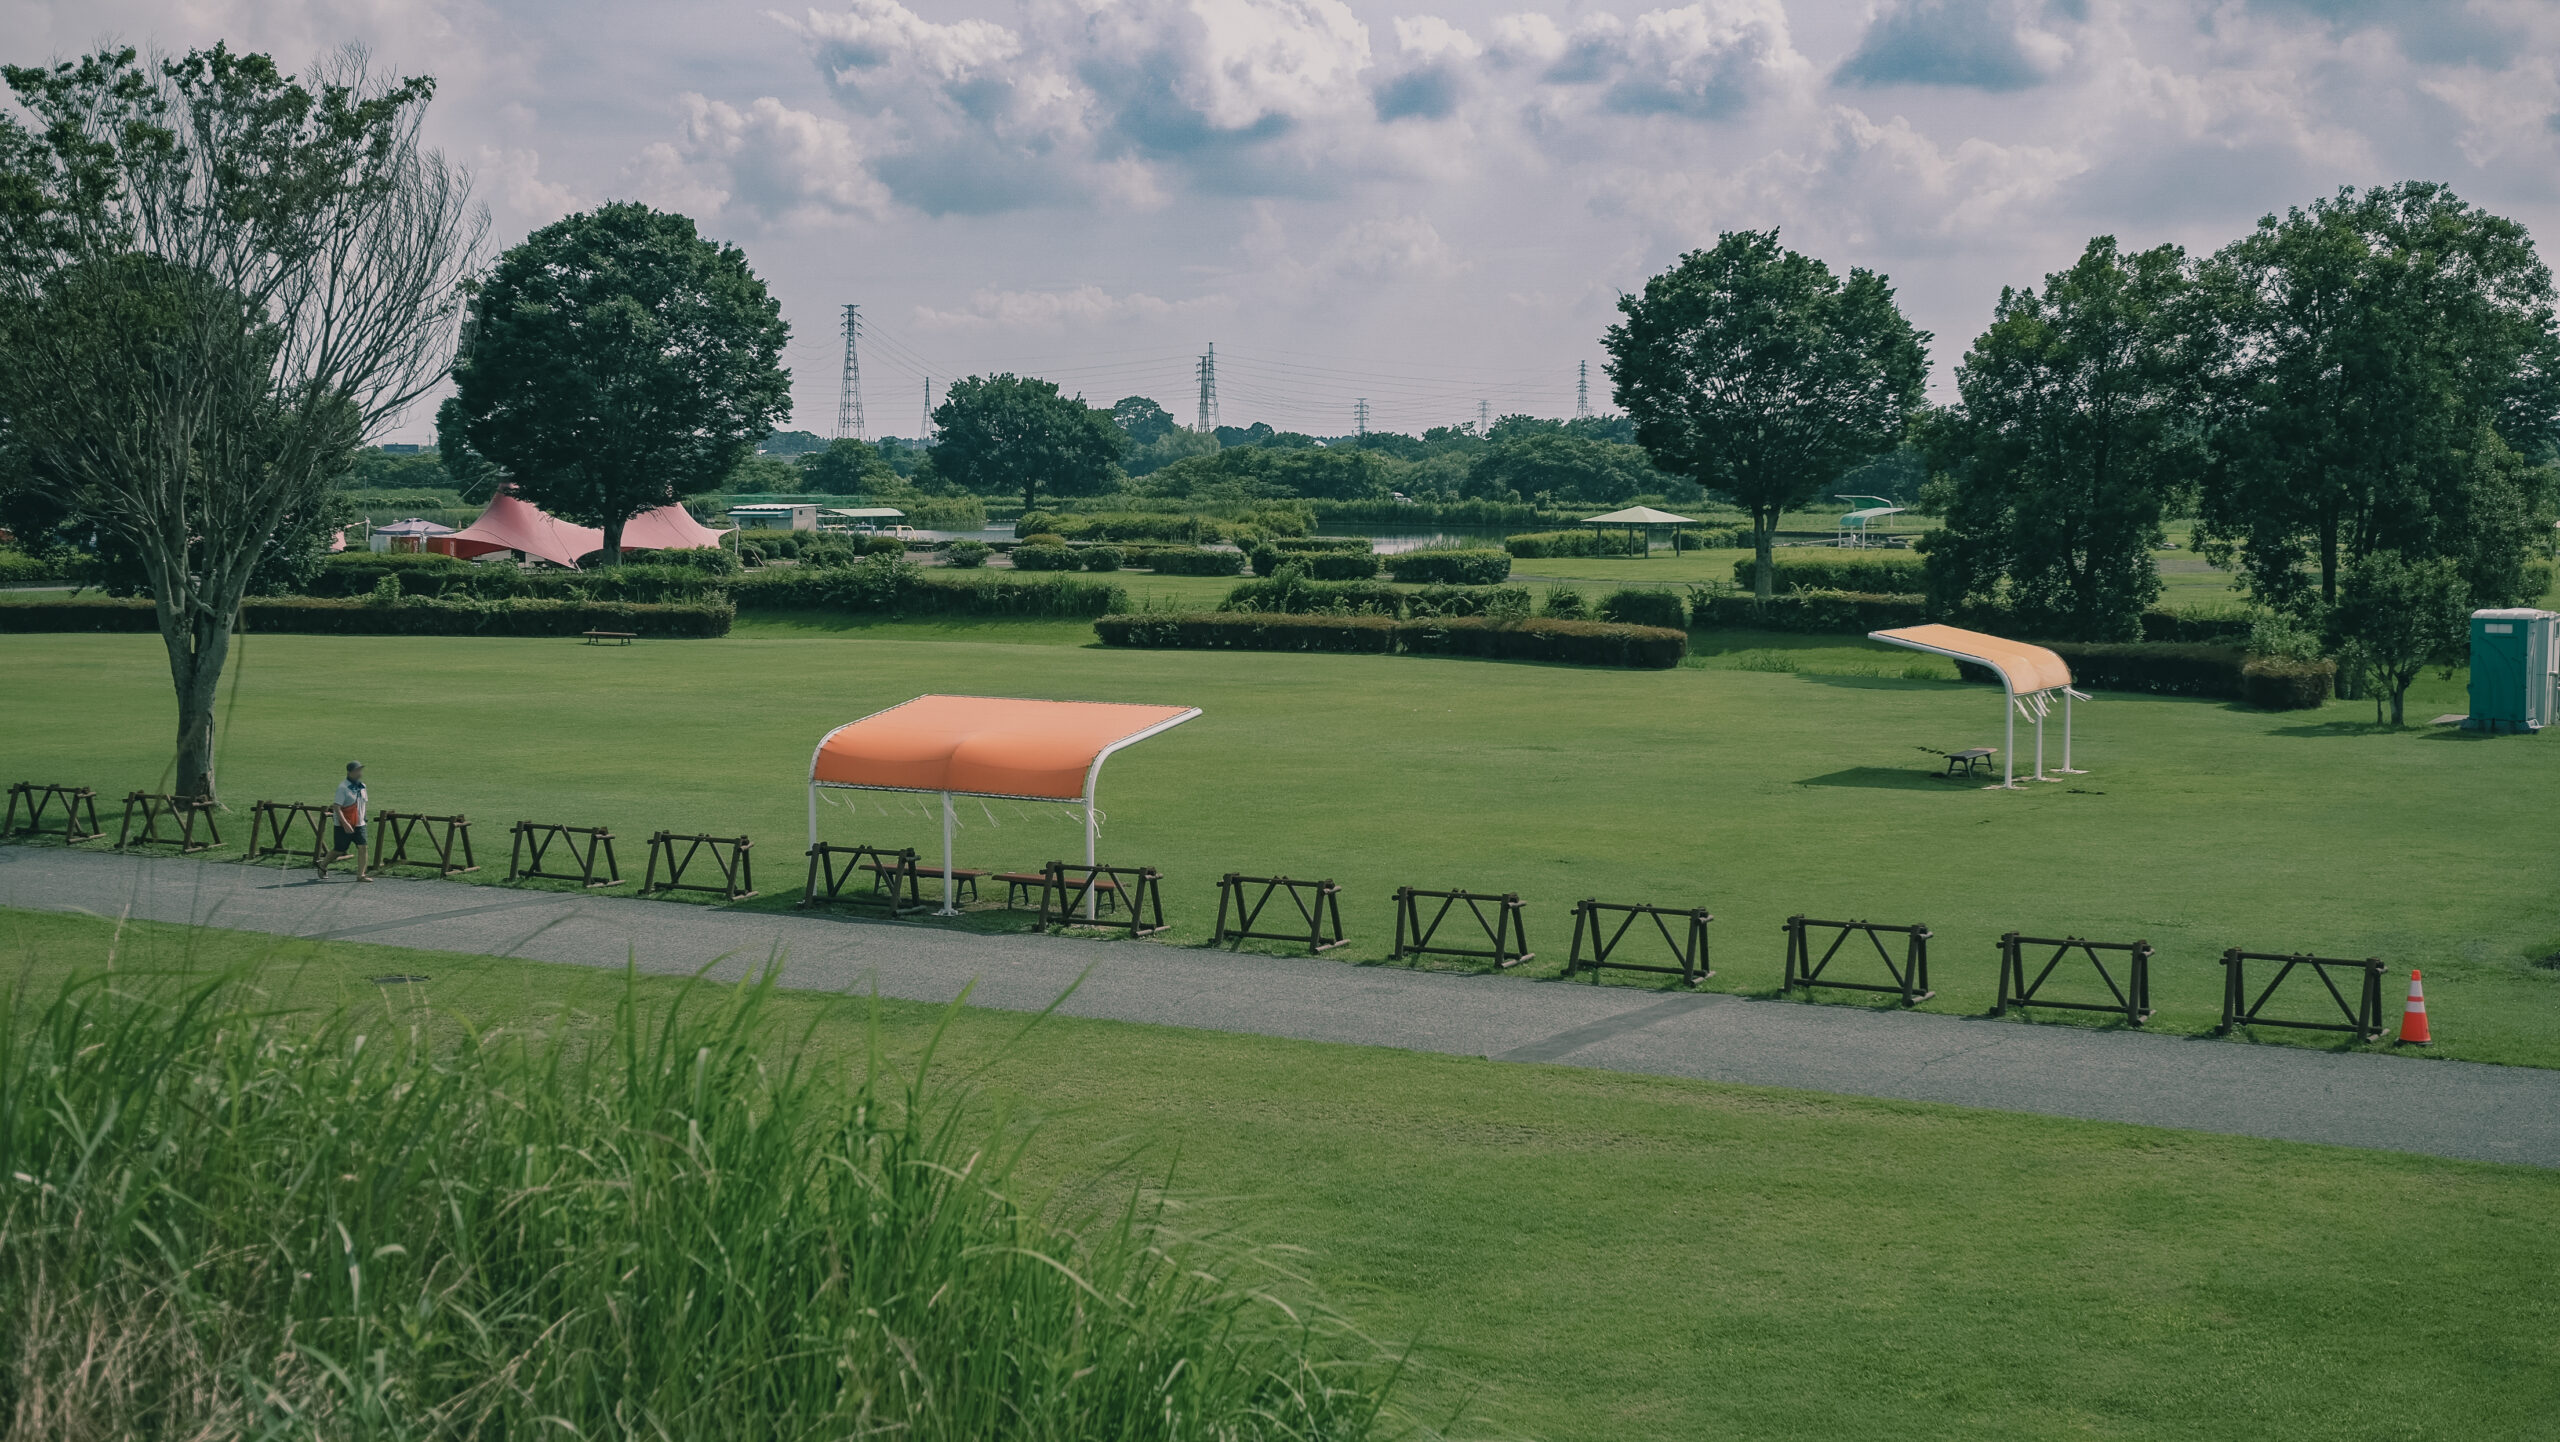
1961 763
619 638
964 882
1016 883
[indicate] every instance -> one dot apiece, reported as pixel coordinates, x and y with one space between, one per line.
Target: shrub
1035 523
1809 611
897 588
1250 631
17 568
410 616
1308 545
1101 558
1581 643
684 1213
884 546
1505 601
710 560
2212 625
1574 643
1565 603
1451 567
968 555
1266 559
1290 591
2280 683
1872 573
1342 565
1574 543
1029 557
1194 563
1631 606
1042 538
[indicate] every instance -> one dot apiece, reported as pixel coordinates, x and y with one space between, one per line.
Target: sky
1434 205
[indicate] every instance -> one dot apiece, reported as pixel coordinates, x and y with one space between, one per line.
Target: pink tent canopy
511 524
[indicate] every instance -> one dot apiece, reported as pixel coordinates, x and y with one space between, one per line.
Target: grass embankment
668 1217
1584 1255
2200 825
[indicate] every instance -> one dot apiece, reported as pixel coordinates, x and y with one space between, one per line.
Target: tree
2361 348
1008 433
616 362
846 467
2397 616
1143 420
1755 371
217 282
2074 429
1530 462
469 471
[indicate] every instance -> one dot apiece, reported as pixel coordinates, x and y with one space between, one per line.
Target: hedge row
896 588
1295 594
1456 568
1631 606
1188 528
1341 565
2223 673
461 580
1827 611
1537 544
1868 572
307 615
1579 643
1304 545
1187 562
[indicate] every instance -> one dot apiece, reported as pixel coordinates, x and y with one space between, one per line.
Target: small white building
775 516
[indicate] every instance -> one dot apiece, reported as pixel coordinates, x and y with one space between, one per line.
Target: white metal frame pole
2009 751
813 816
1089 912
948 817
2040 776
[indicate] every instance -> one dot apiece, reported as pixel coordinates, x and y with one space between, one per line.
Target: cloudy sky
1432 204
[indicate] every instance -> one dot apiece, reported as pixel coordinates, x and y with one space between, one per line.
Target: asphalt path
2443 1108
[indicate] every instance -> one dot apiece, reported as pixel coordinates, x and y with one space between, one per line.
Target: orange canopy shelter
996 746
2030 674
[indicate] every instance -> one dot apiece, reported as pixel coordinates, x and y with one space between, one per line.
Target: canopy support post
813 814
1089 912
2009 748
948 817
2040 776
2067 768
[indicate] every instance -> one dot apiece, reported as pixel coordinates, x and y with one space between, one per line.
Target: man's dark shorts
345 836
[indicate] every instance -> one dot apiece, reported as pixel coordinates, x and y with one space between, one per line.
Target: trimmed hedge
1429 601
1100 558
2225 625
2276 683
897 588
1046 558
1342 565
1579 643
1812 612
968 555
1574 543
1295 595
1632 606
1307 545
308 615
1250 631
1171 562
1457 568
1874 573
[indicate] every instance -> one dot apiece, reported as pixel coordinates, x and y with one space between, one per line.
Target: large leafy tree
1007 433
1757 372
1564 467
2386 376
2395 617
616 362
2074 429
217 282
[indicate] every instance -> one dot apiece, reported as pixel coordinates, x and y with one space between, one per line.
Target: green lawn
1587 1255
2200 825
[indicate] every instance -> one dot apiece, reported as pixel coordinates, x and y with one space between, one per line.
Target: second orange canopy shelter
2030 674
995 746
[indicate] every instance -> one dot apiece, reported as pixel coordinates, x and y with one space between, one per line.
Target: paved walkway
2452 1109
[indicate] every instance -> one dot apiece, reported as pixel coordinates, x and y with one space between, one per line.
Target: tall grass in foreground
220 1220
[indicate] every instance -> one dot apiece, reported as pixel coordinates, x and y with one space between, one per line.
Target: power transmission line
849 393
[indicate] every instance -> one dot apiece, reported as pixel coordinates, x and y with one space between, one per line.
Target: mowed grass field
2199 826
1580 1255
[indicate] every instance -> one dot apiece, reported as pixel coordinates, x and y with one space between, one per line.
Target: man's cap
355 766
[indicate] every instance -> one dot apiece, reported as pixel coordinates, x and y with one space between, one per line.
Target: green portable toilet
2515 669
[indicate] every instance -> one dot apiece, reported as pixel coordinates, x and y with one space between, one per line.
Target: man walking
350 806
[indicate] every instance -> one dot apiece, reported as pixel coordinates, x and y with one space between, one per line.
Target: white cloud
765 157
1056 309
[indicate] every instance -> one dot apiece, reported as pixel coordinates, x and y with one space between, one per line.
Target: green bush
1808 611
679 1221
1290 591
1342 565
1574 543
1250 631
1266 559
710 560
1631 606
1309 545
1874 573
411 616
1511 602
2282 683
1045 558
773 545
1580 643
1565 603
883 546
1101 558
2204 625
1451 567
897 588
968 555
1172 562
17 568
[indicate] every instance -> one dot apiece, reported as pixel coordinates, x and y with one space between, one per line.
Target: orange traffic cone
2413 1018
